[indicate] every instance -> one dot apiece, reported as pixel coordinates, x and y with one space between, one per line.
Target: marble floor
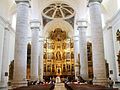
59 86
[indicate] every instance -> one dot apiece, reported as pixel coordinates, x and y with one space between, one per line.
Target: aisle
59 86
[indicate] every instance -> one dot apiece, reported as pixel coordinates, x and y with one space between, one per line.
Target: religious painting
118 56
58 46
63 45
52 46
49 45
58 34
72 55
118 35
49 68
53 55
44 67
71 45
50 55
64 70
64 55
53 68
72 68
68 67
45 45
68 55
67 45
45 55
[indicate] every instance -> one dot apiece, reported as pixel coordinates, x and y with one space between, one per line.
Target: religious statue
63 56
58 55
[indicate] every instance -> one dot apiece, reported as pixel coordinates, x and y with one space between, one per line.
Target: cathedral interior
46 39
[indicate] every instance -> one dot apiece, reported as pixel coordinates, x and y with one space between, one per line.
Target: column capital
41 39
95 1
35 24
81 24
23 1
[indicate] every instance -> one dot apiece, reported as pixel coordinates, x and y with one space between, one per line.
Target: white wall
11 45
115 24
110 8
4 8
2 26
109 52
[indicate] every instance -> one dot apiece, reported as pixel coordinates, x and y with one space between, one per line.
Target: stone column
76 58
20 62
41 59
5 59
99 67
35 26
83 49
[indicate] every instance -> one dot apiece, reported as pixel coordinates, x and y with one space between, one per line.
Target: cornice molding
100 1
23 1
35 24
6 24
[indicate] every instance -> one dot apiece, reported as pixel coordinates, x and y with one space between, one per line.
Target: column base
19 84
84 76
3 84
34 78
102 82
41 80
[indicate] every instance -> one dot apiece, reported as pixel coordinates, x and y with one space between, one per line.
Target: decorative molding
81 24
100 1
94 1
25 1
114 18
110 27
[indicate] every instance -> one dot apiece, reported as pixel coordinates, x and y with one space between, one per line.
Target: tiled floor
60 86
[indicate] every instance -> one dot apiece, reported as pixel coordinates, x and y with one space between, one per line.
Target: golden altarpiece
58 55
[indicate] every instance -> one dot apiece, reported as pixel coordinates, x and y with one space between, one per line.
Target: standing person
110 83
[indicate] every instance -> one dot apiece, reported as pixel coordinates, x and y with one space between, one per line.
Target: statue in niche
63 45
72 55
58 55
64 55
53 57
53 46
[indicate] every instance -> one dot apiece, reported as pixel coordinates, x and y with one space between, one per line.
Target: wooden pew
37 87
87 87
